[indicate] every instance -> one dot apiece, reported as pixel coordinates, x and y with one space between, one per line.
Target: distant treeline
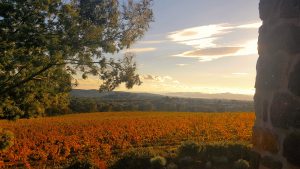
173 104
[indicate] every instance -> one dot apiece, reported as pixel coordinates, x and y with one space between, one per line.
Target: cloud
204 41
210 54
140 50
200 43
181 64
213 51
176 81
197 33
157 78
151 42
250 26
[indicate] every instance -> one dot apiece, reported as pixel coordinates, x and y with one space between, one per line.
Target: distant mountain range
226 96
117 95
114 95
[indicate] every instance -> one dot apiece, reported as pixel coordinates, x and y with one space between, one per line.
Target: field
52 141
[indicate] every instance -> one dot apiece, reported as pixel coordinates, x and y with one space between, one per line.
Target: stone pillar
276 134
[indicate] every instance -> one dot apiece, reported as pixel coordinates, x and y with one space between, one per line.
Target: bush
186 161
241 164
82 164
6 139
233 151
189 148
208 165
172 166
158 162
135 159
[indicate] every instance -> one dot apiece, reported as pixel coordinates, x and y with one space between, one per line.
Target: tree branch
31 77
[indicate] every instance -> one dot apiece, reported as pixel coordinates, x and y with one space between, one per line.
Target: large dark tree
43 43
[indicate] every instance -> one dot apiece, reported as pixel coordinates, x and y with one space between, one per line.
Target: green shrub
241 164
82 164
172 166
208 165
220 159
6 139
189 148
186 161
233 151
158 162
135 159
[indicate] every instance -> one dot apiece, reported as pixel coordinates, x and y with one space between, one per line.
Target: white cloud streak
140 50
151 42
197 33
249 48
205 37
181 64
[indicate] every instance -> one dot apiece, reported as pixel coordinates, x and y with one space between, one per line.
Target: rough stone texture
270 77
290 9
285 111
277 98
271 163
265 140
294 80
265 111
266 8
291 148
284 36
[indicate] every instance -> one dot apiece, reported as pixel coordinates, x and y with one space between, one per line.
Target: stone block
265 140
291 148
289 9
258 106
269 75
271 163
256 137
294 80
266 8
284 37
285 111
265 110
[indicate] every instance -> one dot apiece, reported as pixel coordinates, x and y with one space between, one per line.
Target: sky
207 46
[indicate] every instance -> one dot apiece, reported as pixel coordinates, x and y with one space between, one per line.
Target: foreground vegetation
105 138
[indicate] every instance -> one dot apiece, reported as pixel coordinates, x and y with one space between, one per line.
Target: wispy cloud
210 54
197 33
204 40
157 78
151 42
211 51
250 25
140 50
181 64
200 43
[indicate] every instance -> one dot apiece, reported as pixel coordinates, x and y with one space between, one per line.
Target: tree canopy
44 43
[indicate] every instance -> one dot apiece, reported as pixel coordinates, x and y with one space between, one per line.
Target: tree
46 96
44 36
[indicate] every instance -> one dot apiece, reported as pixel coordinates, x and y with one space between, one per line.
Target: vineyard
103 137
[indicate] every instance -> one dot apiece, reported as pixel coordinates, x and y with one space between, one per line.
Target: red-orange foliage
54 140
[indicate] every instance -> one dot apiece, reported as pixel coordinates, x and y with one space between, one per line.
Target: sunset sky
207 46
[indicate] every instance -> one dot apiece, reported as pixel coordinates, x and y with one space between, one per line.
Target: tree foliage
44 43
